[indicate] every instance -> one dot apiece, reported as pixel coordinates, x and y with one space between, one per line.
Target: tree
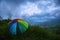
9 16
0 18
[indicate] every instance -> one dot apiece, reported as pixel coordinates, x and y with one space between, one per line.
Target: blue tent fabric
13 27
17 26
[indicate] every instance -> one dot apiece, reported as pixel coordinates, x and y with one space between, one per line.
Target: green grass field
33 33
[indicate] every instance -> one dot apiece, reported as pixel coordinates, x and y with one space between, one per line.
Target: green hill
33 33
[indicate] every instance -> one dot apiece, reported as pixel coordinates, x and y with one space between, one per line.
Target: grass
33 33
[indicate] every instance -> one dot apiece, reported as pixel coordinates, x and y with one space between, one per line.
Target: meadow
34 32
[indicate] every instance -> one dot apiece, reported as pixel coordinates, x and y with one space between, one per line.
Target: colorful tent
18 26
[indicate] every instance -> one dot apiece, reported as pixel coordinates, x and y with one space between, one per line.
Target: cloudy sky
30 10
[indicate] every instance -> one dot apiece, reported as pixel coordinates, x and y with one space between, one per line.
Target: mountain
48 23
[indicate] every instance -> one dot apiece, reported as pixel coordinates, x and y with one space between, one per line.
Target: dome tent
17 26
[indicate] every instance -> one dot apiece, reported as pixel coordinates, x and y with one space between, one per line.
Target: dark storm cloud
0 0
33 0
14 8
20 1
57 2
16 1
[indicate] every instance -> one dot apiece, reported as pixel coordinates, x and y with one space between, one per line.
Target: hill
34 32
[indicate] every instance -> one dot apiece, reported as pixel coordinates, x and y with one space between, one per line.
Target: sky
30 10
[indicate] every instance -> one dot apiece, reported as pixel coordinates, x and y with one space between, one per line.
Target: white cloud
40 8
29 9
